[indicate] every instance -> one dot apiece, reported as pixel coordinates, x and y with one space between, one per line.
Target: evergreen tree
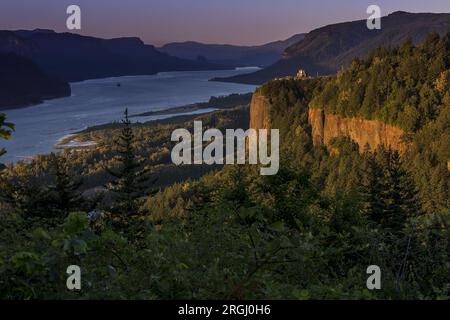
24 194
372 188
399 195
292 193
389 192
129 183
64 192
236 193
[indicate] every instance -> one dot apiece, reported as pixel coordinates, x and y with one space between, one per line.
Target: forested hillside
407 86
23 83
74 57
328 49
309 232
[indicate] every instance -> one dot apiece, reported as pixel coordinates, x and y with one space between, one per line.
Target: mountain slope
23 83
239 56
397 98
74 57
327 49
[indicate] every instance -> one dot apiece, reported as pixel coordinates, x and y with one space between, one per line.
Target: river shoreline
164 116
98 102
172 115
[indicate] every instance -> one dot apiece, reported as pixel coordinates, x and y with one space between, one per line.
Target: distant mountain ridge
238 56
327 49
74 57
23 83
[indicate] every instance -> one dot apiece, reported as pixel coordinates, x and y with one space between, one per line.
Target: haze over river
100 101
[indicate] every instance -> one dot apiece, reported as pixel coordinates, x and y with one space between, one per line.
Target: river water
100 101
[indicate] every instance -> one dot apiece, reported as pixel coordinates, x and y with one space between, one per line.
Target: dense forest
405 86
155 231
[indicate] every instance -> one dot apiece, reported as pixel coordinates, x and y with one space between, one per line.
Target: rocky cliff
259 112
325 127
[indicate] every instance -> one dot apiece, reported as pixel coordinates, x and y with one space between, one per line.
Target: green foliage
64 192
308 232
24 193
30 192
244 239
404 86
5 133
127 186
390 195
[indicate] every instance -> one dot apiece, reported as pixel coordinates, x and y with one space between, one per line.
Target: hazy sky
212 21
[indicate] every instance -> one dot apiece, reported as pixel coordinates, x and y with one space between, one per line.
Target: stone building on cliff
301 75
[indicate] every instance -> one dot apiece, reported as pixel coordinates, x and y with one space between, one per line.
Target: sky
240 22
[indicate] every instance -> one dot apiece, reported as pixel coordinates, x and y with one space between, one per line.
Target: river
100 101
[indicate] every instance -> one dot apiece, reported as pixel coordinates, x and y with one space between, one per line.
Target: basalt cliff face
373 133
325 127
259 112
